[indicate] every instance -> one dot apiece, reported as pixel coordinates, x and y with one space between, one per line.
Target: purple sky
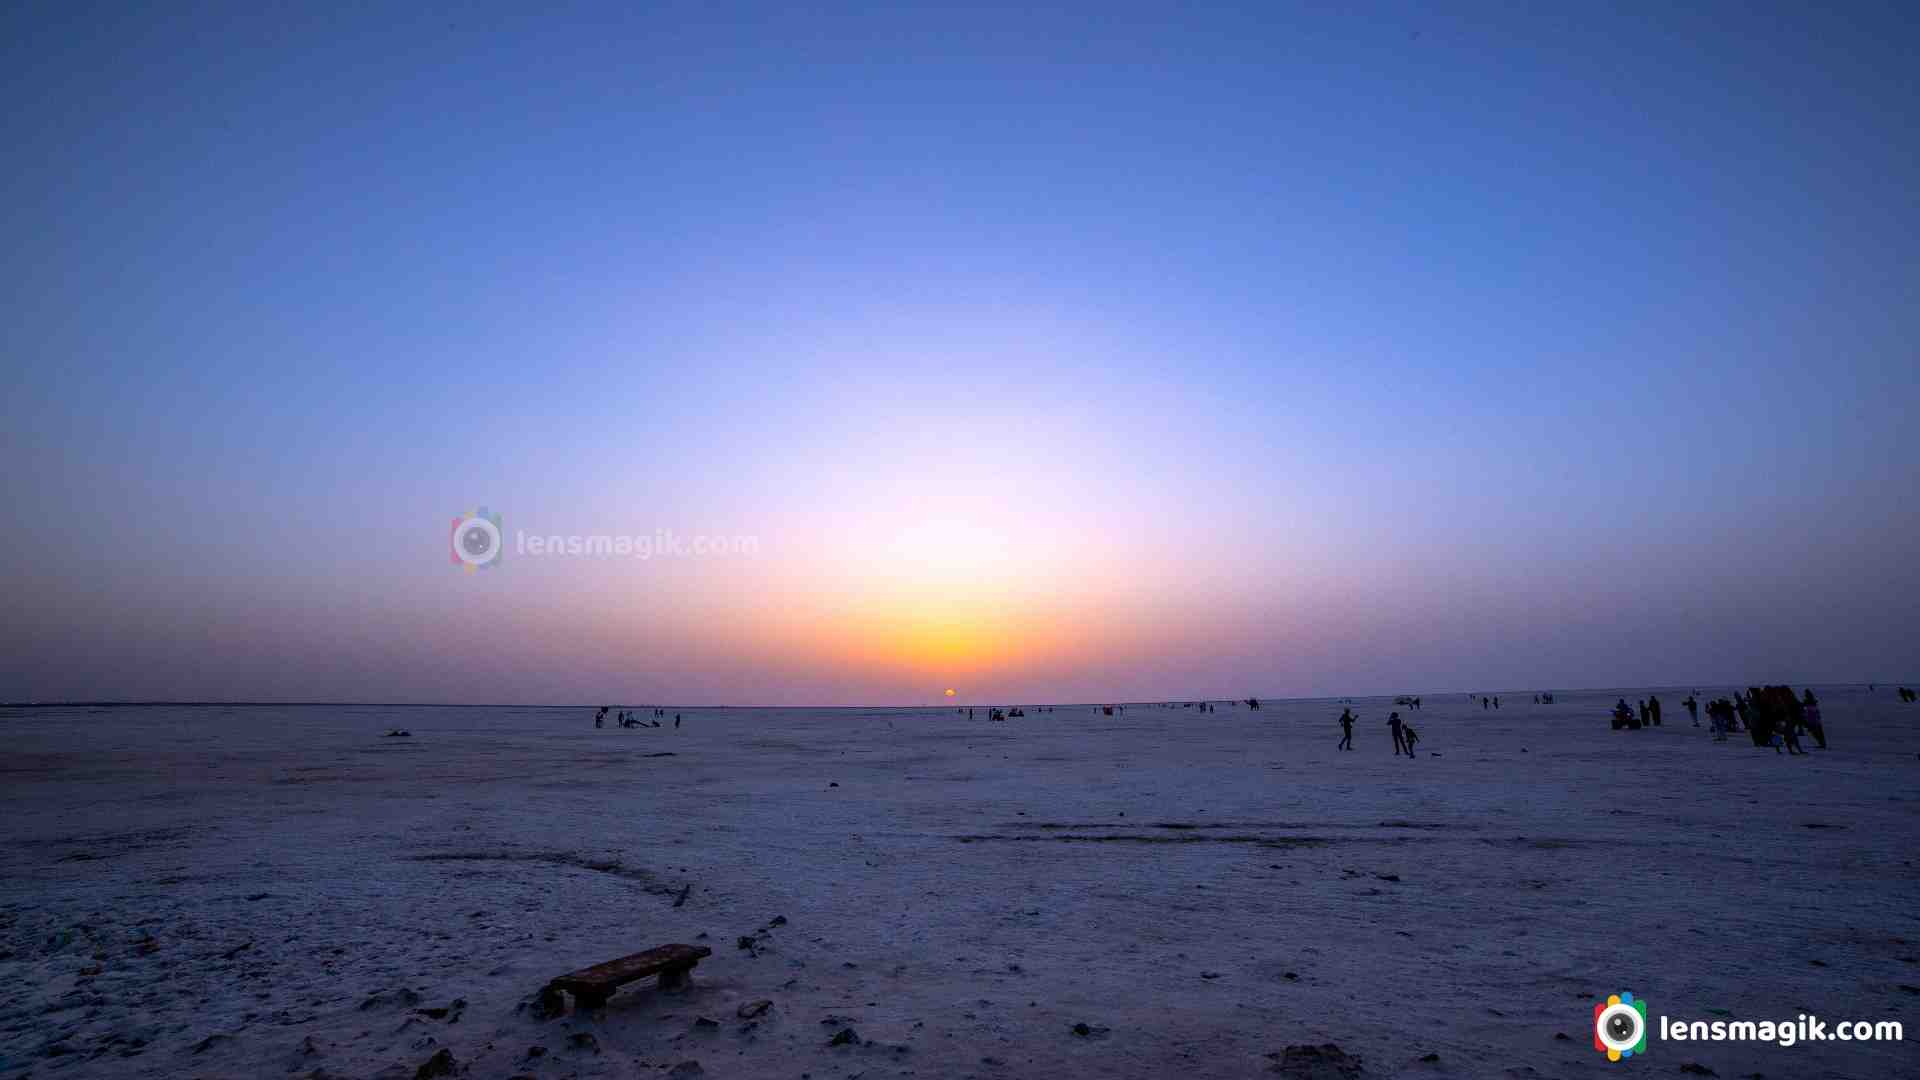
1127 352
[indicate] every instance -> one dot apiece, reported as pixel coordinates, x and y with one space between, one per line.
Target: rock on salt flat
274 891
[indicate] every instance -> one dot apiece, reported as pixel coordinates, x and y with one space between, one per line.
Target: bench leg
675 979
549 1003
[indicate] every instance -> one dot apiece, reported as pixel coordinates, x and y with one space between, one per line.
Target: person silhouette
1393 723
1789 736
1346 729
1810 707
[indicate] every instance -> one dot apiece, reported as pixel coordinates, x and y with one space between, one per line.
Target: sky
1112 352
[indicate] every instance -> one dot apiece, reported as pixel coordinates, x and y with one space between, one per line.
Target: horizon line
940 705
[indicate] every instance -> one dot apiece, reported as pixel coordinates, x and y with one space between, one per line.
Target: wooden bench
592 986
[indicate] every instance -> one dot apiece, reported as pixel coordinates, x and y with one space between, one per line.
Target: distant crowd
630 718
1771 715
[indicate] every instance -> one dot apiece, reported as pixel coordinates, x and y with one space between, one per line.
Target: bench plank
591 986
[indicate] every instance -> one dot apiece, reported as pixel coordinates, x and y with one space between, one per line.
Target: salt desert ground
265 891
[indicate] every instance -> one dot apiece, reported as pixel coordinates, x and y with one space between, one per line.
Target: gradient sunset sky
1065 354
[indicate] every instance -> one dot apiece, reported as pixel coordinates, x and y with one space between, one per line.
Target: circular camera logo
476 541
1620 1026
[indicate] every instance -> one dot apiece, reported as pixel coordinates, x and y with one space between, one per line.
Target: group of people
1648 715
629 718
1723 716
1002 714
1772 715
1404 737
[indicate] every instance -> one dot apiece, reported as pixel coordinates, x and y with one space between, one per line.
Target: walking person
1346 729
1796 711
1393 723
1787 727
1411 736
1810 707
